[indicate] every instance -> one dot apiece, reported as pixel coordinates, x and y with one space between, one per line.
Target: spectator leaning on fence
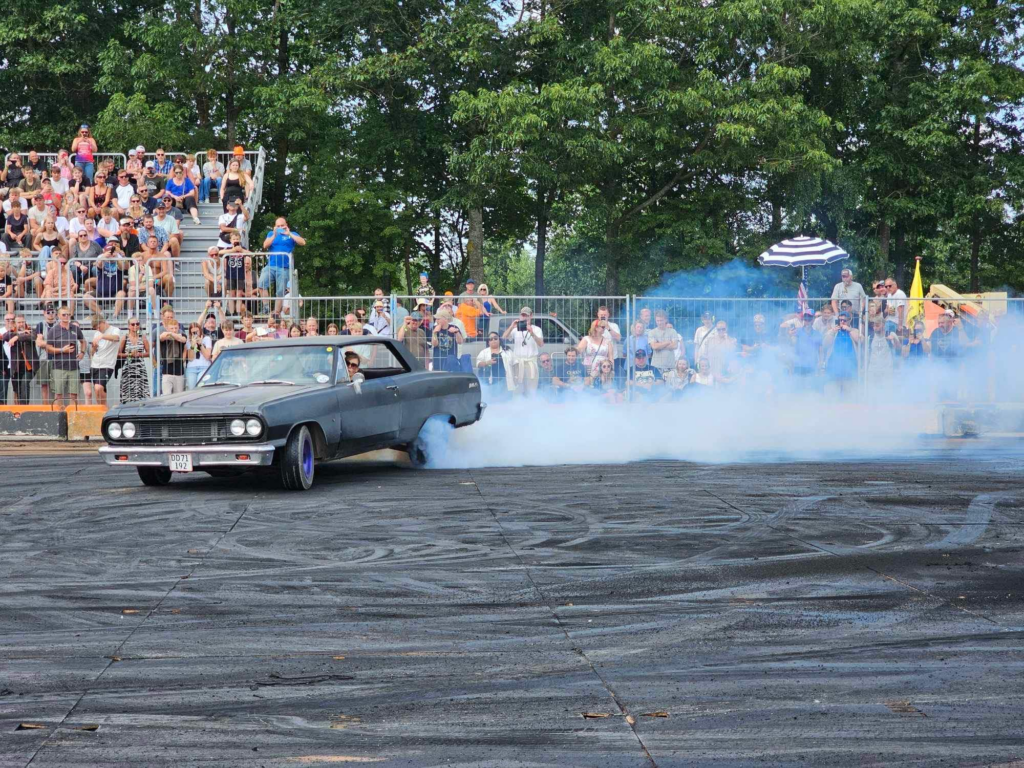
280 244
445 340
411 333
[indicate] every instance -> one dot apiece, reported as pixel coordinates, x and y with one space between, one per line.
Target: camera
522 325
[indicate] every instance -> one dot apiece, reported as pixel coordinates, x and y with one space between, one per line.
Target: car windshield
255 364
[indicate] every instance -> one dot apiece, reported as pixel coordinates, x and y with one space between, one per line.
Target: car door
370 416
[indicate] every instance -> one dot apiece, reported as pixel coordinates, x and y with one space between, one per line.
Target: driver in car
352 363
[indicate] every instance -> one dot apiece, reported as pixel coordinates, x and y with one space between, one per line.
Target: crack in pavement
629 720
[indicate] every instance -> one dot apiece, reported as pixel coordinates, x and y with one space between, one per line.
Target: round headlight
128 430
237 427
253 427
114 430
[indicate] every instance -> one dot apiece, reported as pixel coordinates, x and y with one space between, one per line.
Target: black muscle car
286 405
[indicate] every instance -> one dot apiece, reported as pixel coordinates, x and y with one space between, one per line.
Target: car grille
184 430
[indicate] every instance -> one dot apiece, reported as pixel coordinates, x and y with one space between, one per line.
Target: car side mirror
357 383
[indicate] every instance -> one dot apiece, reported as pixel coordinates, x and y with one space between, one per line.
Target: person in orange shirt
469 309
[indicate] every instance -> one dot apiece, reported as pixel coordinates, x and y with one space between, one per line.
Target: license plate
180 462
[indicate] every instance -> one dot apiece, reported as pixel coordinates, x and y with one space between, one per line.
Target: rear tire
298 461
154 476
431 443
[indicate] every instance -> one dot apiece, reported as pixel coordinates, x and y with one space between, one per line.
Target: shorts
65 382
44 372
234 283
276 275
107 288
101 376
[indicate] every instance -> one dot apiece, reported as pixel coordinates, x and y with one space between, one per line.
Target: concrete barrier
36 421
84 422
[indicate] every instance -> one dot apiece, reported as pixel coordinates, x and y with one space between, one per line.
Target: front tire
298 461
154 476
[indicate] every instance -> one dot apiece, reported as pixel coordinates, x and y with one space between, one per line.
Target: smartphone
495 358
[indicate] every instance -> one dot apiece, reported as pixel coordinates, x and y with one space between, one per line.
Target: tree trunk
202 98
408 265
542 245
283 68
475 244
884 235
435 258
611 274
976 257
899 255
230 110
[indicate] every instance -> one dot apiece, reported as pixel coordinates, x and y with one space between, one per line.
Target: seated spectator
545 376
805 348
332 329
213 172
109 282
147 201
37 214
571 376
151 182
756 340
77 185
127 239
158 268
58 183
916 348
704 377
492 366
35 162
52 200
877 303
354 326
149 229
108 226
604 383
30 184
235 185
182 192
31 271
15 196
646 378
678 378
312 326
162 164
162 220
17 231
233 221
97 197
59 283
12 173
123 193
294 331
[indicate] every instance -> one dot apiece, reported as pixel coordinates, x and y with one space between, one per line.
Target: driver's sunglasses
351 365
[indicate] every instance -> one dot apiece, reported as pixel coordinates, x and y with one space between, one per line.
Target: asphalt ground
649 614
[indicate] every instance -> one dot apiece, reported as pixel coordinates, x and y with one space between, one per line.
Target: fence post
394 309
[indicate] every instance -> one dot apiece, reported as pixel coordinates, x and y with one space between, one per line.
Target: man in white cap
526 341
847 289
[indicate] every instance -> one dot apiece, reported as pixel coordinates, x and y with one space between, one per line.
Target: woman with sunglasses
97 197
183 192
84 148
594 348
133 353
604 382
198 353
489 303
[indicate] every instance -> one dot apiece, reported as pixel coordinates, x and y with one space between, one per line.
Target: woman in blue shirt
182 190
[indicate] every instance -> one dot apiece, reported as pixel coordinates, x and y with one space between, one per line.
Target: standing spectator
720 349
162 165
229 339
663 341
182 193
65 346
880 352
172 352
24 355
611 330
247 333
896 307
59 282
595 347
103 348
571 375
756 341
213 172
446 339
492 366
876 304
237 269
411 334
134 166
425 289
646 378
847 306
235 185
45 369
948 345
133 351
636 341
526 341
400 313
9 326
8 278
842 349
703 335
213 274
198 354
469 310
210 320
231 222
917 348
380 319
489 303
806 352
847 289
280 243
704 377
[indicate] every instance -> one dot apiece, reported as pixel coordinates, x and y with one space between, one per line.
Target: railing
256 198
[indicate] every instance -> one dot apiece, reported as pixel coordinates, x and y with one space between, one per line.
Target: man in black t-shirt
570 375
65 345
172 353
647 379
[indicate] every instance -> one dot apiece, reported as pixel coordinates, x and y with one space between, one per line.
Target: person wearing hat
84 148
469 309
134 165
425 288
412 334
238 153
151 182
380 318
846 288
445 340
646 378
841 353
525 339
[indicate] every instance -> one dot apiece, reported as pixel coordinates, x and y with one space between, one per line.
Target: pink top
84 151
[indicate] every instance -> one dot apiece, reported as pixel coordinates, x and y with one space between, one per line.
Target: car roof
319 341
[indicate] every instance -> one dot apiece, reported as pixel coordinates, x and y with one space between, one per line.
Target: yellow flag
916 308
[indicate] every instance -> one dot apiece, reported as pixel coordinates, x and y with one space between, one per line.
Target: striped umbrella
802 252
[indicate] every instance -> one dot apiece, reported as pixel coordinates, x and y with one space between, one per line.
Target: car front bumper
227 455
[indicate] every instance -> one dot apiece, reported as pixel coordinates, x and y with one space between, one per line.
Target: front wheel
297 461
154 476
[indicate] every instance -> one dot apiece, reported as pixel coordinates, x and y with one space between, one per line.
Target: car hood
218 401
